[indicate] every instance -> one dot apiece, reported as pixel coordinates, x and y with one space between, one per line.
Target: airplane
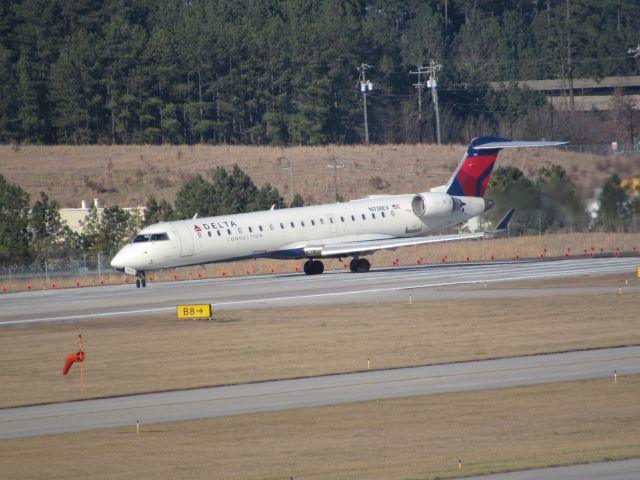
349 229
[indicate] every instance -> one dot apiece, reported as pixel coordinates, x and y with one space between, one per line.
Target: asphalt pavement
423 282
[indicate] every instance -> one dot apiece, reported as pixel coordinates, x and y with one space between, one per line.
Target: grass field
128 175
138 354
409 438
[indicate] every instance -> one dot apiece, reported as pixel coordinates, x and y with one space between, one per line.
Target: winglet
504 223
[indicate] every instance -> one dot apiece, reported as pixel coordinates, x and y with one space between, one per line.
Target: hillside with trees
286 72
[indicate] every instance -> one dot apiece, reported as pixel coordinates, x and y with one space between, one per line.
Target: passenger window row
302 223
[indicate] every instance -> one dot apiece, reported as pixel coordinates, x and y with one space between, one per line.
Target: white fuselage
286 233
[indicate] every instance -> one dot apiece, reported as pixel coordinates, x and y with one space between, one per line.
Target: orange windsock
71 359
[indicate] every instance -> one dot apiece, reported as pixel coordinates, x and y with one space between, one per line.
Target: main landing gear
313 267
359 265
141 280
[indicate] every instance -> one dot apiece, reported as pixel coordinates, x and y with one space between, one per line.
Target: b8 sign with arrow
194 311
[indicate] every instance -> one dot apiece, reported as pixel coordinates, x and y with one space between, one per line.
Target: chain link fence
88 265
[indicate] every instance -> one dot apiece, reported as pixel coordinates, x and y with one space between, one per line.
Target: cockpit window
149 237
141 238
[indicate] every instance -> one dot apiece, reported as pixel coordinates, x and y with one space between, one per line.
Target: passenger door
186 239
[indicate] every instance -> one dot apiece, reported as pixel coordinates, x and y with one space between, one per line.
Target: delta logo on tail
473 174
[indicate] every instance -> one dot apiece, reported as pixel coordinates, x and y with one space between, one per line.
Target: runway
622 470
424 282
315 391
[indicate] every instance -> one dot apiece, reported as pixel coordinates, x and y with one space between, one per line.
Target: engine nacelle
434 204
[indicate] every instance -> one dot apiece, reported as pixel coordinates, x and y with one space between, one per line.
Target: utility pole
420 72
572 104
335 166
636 54
365 86
631 128
432 83
290 169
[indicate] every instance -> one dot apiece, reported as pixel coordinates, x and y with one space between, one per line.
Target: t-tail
472 175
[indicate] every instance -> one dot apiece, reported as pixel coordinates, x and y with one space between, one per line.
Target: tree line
546 203
550 202
37 233
285 72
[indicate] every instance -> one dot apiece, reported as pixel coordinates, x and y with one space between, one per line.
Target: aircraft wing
368 246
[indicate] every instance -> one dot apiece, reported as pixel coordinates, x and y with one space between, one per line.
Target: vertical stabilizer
472 175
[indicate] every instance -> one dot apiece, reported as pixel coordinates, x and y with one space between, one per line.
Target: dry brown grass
555 245
611 281
418 438
130 355
128 175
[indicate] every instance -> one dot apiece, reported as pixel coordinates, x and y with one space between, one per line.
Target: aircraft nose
119 261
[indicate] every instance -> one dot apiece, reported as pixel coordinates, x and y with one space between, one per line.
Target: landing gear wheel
313 267
353 265
141 280
362 265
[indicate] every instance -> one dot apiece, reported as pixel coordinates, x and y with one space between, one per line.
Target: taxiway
315 391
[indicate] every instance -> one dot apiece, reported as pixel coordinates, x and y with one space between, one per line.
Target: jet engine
434 204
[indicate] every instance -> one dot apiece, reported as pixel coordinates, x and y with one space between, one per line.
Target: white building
75 217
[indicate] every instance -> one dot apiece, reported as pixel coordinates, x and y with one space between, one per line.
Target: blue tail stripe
455 188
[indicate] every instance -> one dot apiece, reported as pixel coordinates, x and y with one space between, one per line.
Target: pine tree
14 224
297 201
46 227
510 188
615 208
195 197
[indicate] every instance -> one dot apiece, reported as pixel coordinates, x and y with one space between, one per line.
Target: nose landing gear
141 280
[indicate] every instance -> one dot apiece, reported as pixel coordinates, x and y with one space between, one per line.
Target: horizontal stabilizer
516 144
